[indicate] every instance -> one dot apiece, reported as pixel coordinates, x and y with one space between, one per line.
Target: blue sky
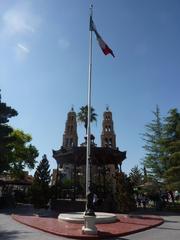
44 66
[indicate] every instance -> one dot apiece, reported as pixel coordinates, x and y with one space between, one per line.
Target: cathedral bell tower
108 137
70 137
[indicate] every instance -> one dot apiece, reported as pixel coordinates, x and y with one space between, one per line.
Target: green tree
40 187
124 193
23 153
6 138
153 146
135 176
82 116
171 143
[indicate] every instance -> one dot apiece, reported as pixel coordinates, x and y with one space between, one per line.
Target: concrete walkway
10 229
169 230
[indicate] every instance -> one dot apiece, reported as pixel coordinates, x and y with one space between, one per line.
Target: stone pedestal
89 225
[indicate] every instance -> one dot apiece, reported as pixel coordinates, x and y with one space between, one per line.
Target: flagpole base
89 227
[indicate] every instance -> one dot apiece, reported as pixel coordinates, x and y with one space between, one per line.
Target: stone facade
108 137
106 160
70 137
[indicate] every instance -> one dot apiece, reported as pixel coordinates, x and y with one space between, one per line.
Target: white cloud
21 52
19 26
15 23
19 20
23 48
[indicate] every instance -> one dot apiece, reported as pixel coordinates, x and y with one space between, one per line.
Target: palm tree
82 116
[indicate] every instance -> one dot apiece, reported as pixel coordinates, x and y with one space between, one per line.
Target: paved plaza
10 229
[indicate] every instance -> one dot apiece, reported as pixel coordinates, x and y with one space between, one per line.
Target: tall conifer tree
136 176
171 144
153 146
40 187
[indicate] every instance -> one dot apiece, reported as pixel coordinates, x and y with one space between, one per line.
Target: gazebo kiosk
105 160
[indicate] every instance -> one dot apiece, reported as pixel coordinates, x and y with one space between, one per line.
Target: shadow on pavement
171 221
8 235
169 228
119 238
153 211
28 210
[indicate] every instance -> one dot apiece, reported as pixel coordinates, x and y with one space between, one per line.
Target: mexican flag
103 45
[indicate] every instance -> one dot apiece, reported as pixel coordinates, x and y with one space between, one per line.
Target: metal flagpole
89 215
88 147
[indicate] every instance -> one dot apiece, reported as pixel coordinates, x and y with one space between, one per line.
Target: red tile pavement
126 224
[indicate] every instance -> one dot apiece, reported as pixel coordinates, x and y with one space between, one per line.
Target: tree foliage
171 143
82 116
40 188
6 138
136 176
153 147
16 152
162 145
124 193
23 153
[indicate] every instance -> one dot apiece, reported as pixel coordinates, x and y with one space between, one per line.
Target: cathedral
106 159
